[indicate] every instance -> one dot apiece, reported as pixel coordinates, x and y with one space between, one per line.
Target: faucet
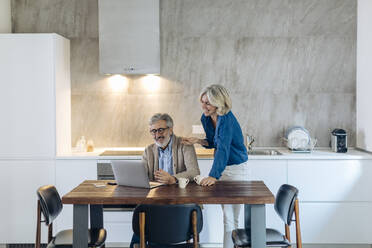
250 140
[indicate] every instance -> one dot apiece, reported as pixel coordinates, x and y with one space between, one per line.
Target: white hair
218 97
161 117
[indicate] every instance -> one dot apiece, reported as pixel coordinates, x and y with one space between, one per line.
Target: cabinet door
331 180
18 209
69 174
27 96
335 223
274 174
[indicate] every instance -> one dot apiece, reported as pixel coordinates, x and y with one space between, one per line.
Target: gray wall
285 62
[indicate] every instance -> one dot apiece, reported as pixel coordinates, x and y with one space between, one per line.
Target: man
167 159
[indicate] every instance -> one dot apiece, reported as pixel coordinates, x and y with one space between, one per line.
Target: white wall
5 16
364 75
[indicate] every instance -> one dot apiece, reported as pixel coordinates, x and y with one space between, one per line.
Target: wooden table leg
80 229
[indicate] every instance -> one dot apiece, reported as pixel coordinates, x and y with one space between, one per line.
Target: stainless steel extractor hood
129 37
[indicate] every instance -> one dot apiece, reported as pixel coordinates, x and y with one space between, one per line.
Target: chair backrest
285 202
50 202
167 224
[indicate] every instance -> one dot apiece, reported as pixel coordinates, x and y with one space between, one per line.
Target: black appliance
339 140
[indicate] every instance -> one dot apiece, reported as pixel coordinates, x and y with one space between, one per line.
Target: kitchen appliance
339 140
129 34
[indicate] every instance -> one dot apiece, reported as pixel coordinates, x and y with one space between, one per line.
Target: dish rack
303 148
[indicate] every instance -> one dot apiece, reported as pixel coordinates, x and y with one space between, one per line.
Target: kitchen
285 63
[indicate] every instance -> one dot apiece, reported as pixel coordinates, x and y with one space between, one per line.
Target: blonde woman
223 133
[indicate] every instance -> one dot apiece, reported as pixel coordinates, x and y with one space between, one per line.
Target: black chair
167 225
286 203
50 205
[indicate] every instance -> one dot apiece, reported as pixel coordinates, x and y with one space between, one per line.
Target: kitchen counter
136 153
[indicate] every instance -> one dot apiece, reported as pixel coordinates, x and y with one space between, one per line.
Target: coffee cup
182 182
198 179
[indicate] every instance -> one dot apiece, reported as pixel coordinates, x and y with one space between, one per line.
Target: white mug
198 179
182 182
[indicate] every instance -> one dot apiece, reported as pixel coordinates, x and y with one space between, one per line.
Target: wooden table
254 194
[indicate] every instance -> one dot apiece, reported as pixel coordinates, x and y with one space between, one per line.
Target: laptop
132 173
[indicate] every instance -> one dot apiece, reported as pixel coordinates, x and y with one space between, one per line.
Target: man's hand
164 177
208 181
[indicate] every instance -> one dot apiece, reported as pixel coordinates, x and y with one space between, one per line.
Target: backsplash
285 62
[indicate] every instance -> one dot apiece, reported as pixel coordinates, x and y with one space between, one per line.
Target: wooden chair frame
298 230
38 228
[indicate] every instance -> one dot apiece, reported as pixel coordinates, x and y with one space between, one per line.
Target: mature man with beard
167 159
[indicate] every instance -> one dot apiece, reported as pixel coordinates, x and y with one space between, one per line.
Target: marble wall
285 62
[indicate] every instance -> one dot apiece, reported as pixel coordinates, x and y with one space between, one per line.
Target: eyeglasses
159 130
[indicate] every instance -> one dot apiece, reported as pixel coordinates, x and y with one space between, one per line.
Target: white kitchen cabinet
335 222
274 174
332 180
34 95
69 174
19 183
335 200
119 226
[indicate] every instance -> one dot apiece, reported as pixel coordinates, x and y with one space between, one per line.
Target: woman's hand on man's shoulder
190 140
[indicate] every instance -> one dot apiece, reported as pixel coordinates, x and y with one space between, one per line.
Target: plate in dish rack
297 138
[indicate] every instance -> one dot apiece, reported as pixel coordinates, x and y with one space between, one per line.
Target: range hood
129 37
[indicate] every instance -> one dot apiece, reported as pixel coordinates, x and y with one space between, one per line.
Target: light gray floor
123 245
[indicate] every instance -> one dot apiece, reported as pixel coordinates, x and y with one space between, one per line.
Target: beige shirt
185 163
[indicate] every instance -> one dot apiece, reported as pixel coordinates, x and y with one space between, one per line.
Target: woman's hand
193 140
208 181
190 140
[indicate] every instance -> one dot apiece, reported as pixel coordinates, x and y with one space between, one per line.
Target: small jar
90 146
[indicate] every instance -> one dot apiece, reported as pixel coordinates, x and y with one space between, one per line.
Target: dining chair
286 205
168 225
50 205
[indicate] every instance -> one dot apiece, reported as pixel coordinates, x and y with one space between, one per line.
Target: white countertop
319 153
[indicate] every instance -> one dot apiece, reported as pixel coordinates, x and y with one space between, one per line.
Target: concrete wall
285 62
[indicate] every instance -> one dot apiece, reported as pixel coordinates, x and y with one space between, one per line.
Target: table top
223 192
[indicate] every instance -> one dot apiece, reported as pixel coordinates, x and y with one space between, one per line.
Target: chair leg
38 226
288 234
50 232
142 229
298 231
195 228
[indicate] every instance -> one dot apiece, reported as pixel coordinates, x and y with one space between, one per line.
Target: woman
223 133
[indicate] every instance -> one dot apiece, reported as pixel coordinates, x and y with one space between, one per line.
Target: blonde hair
218 97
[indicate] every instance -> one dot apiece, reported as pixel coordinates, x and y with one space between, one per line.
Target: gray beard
166 141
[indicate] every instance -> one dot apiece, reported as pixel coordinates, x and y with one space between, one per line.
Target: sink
264 152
